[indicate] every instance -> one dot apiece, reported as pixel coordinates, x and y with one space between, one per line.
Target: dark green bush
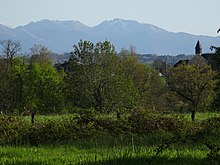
15 130
141 121
12 129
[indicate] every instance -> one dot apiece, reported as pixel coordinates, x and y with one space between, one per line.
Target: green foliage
216 59
95 82
141 121
12 84
139 131
95 79
64 155
30 86
12 130
98 78
207 134
147 82
193 84
87 125
44 89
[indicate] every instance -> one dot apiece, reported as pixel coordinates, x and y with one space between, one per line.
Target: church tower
198 48
198 59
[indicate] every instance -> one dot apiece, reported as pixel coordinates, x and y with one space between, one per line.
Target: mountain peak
118 21
129 26
55 25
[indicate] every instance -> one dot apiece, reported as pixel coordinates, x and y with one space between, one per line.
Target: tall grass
107 150
71 154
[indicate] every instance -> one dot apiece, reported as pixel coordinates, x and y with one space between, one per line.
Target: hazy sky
192 16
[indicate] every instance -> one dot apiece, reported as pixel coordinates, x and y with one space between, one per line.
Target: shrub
12 129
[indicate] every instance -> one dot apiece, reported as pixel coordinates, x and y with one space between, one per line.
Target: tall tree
9 49
40 54
149 84
95 78
44 89
193 84
9 83
44 83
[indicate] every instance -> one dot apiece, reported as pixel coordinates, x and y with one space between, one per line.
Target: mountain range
60 36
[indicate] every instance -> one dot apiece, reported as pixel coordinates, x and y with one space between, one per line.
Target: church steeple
198 48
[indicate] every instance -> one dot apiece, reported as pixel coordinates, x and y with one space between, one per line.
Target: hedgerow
15 130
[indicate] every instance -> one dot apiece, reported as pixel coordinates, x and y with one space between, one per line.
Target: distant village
154 58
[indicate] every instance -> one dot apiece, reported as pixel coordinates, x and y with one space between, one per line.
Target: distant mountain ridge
60 36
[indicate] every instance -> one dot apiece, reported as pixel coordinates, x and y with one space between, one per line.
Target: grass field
129 150
71 154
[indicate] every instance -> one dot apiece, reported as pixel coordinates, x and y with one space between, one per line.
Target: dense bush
141 121
12 130
207 134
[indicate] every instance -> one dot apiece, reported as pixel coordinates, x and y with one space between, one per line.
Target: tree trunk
32 117
193 115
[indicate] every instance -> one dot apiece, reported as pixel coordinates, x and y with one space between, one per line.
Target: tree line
99 79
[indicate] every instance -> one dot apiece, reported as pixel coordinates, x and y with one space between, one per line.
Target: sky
200 17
